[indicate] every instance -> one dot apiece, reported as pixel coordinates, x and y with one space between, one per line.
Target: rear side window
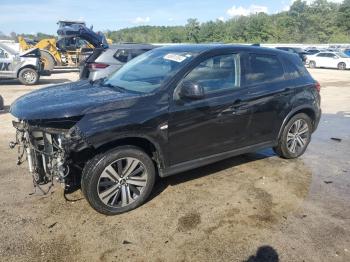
292 71
294 67
263 68
122 55
125 55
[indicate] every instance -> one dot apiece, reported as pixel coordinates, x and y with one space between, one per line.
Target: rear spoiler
77 30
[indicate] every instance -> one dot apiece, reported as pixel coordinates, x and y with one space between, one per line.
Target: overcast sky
31 16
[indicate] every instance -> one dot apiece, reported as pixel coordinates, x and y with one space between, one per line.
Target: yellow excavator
74 40
49 52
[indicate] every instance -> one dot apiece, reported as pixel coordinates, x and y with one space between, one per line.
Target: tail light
318 86
95 66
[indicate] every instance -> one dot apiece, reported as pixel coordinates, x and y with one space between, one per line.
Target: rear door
6 64
269 94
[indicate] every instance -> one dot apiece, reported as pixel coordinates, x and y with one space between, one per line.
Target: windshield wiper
120 89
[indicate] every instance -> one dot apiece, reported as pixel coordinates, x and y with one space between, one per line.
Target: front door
216 123
321 60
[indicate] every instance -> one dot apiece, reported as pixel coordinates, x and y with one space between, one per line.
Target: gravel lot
256 207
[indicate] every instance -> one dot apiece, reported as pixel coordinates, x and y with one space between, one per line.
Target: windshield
342 55
149 71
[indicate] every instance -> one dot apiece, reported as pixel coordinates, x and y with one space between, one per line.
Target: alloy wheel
29 77
298 136
122 182
342 66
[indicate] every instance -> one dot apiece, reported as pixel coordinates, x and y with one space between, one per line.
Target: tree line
318 22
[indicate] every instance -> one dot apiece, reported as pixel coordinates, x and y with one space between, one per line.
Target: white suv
329 60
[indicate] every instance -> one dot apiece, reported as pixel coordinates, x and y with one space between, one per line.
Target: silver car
104 62
26 66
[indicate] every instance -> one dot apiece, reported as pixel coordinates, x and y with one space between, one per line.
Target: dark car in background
295 50
166 111
312 51
103 62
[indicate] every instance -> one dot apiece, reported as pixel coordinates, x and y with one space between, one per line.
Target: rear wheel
295 137
28 76
118 180
341 66
312 64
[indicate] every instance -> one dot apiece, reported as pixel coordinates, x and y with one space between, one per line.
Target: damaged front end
48 147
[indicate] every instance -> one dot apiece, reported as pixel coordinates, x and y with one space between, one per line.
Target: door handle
237 107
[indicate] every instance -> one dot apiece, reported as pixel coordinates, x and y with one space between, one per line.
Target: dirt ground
256 207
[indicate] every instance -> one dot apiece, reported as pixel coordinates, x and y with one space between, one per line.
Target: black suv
168 110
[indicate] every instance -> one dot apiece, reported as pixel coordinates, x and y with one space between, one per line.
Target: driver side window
217 73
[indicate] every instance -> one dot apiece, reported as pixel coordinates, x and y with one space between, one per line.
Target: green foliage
319 22
36 37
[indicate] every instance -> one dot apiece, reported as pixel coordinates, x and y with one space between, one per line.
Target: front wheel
119 180
28 76
295 137
342 66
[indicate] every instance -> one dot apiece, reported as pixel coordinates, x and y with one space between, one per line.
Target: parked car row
322 58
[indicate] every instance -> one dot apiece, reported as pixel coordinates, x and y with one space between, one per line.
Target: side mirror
191 90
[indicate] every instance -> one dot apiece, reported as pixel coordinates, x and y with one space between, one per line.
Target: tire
1 103
294 136
110 193
342 66
312 64
28 76
48 60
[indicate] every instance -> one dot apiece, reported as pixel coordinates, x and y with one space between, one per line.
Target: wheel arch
145 143
308 110
26 66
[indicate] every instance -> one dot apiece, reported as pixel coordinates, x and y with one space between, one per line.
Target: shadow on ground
207 170
264 254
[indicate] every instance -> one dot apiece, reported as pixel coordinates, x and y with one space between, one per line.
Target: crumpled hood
35 52
67 100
